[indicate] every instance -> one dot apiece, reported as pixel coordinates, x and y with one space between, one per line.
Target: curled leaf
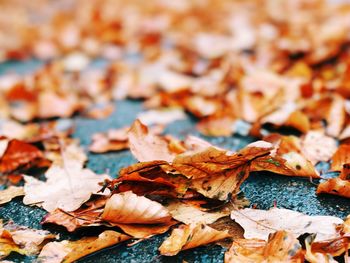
128 208
335 186
190 236
70 251
189 214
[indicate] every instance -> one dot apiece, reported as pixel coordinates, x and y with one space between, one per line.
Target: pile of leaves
279 67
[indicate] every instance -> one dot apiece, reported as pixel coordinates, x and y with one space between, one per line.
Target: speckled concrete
263 189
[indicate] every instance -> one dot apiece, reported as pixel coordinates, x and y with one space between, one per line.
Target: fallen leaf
161 116
145 231
11 192
190 236
340 157
318 147
86 215
19 155
128 208
70 251
335 186
146 146
189 214
113 140
66 187
260 223
100 112
20 239
281 246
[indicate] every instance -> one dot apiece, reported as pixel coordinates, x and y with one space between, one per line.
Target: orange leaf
128 208
190 236
19 155
335 186
146 146
340 157
280 247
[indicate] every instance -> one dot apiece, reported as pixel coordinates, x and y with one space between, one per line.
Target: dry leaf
318 147
161 116
86 215
100 112
19 155
113 140
8 194
189 214
190 236
70 251
335 186
21 239
145 231
67 187
147 147
340 157
128 208
260 223
281 246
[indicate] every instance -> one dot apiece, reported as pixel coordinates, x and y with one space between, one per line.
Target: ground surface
263 190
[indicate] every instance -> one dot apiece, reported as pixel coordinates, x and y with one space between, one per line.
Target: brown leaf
340 157
21 239
113 140
190 236
223 185
100 112
335 186
8 194
128 208
146 146
190 214
213 160
70 251
19 155
280 247
87 215
318 147
145 231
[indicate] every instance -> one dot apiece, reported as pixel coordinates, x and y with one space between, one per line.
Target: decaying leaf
8 194
70 251
281 246
190 236
128 208
260 223
20 239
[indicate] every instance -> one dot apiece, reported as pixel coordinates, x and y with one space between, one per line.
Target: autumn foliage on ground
282 68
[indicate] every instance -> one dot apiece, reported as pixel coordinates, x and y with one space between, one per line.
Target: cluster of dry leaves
273 64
